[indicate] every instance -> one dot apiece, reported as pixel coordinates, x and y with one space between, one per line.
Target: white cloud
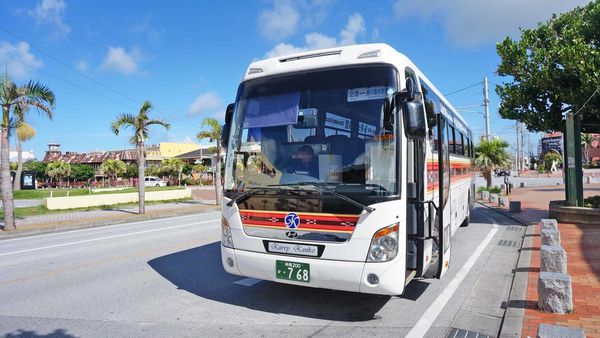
474 22
51 12
280 21
20 62
354 27
285 17
206 103
146 27
119 60
82 66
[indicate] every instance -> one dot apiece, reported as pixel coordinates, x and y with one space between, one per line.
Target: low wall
566 214
61 203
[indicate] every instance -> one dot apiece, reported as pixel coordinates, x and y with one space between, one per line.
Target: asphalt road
164 278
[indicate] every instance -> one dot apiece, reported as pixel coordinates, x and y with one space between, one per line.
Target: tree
139 124
554 70
131 172
25 132
58 170
82 172
213 134
33 94
491 154
172 167
152 170
113 168
38 167
586 144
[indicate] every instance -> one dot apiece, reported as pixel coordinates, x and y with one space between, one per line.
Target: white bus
346 169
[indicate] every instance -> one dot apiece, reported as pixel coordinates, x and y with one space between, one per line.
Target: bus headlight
384 245
226 234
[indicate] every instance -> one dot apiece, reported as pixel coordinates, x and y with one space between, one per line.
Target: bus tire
467 220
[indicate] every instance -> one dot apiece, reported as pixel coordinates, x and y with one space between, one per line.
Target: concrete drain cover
507 243
460 333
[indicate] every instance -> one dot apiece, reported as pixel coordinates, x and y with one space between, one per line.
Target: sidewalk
582 244
83 219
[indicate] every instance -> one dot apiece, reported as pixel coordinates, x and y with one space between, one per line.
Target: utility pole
486 103
522 146
518 154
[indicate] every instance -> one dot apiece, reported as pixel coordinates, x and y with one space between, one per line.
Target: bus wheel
467 220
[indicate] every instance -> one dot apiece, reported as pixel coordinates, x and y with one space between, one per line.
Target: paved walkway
582 244
79 219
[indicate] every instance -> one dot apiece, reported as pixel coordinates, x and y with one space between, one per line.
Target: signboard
337 122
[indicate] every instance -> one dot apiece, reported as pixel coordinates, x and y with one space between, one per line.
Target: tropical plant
58 170
152 170
550 158
139 124
38 167
586 144
491 154
172 167
82 172
113 168
213 134
25 132
14 101
553 69
132 171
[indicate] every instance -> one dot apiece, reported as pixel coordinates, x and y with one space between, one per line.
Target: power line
87 77
460 90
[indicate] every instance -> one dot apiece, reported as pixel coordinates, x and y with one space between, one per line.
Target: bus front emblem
292 220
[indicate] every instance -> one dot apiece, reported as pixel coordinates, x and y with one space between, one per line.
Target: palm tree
139 124
214 134
25 132
586 143
58 170
173 166
113 168
33 94
491 154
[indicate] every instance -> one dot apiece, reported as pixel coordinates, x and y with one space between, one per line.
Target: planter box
494 198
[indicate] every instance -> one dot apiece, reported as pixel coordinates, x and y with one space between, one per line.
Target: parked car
502 172
153 181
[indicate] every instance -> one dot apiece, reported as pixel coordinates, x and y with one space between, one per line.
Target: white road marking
434 309
247 281
106 237
100 227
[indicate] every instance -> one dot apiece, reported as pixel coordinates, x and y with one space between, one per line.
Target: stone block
549 223
556 331
494 198
485 195
503 201
514 206
554 292
550 237
553 258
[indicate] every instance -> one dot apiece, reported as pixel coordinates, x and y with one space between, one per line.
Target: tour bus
346 169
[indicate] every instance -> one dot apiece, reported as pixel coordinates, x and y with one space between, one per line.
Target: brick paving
582 244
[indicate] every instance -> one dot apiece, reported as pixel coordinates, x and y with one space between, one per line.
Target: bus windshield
329 127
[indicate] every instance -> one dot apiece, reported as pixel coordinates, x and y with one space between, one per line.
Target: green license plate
298 272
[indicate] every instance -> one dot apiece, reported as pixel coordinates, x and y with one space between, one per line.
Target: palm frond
159 122
123 121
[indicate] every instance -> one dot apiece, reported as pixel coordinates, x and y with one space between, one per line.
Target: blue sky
105 57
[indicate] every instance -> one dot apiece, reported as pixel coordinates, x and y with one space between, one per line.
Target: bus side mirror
227 126
414 119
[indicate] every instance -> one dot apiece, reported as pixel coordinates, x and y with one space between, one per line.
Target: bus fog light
230 262
372 279
384 245
226 239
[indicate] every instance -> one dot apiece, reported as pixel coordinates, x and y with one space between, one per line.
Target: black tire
158 185
467 220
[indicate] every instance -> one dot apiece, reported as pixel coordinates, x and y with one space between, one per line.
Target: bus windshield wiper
244 196
321 186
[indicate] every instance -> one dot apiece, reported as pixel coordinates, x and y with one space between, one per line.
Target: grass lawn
42 210
44 193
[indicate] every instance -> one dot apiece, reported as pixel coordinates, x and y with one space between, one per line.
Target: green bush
493 190
592 202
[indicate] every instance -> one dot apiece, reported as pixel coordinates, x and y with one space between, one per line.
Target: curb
99 222
514 315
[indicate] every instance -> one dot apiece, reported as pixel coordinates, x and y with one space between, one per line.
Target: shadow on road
59 333
199 271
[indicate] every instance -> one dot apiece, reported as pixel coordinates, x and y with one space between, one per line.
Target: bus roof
342 56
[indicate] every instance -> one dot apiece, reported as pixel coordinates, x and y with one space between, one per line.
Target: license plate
298 272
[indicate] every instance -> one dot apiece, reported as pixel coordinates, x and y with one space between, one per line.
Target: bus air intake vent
310 56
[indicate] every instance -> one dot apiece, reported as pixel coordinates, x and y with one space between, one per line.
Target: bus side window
451 140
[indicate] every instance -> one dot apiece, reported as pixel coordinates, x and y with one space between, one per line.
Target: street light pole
486 103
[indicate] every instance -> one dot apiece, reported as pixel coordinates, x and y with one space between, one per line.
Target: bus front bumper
327 274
